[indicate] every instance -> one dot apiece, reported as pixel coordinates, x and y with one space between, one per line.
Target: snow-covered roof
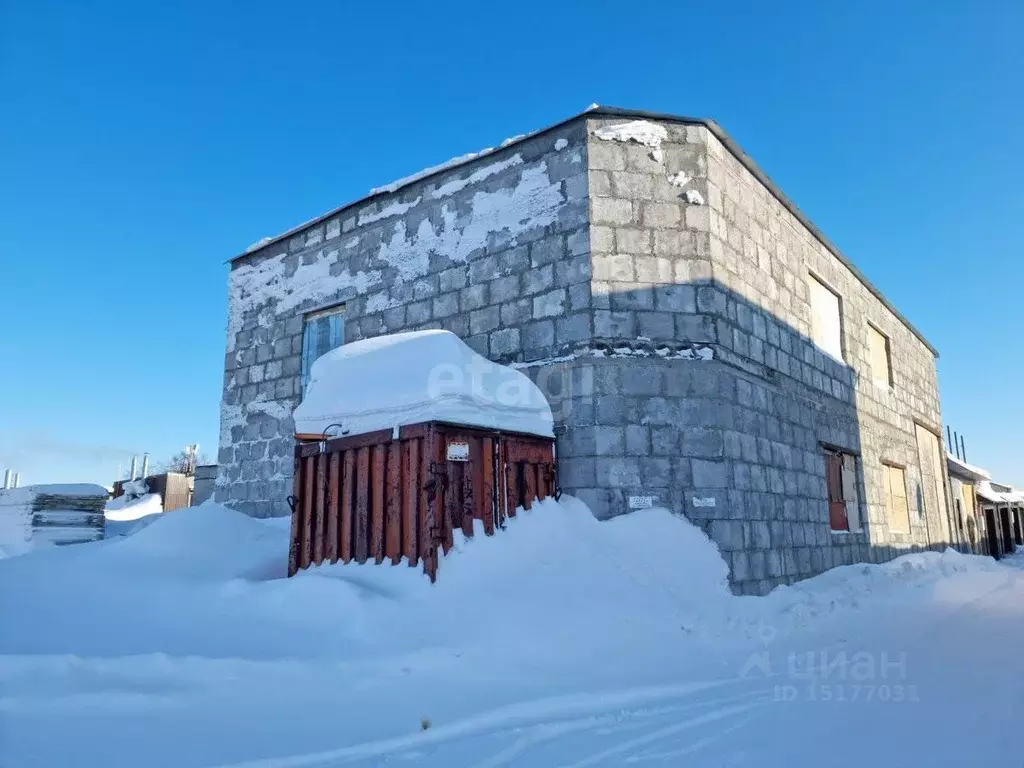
409 378
646 135
986 491
62 489
961 468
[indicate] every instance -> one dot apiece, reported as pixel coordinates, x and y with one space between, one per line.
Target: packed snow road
559 641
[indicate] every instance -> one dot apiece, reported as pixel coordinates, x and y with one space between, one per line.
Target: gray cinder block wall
654 284
746 428
495 250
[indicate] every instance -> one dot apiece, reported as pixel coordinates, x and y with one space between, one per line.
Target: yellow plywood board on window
878 347
896 506
967 496
931 476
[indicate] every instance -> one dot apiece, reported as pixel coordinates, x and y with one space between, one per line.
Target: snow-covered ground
559 641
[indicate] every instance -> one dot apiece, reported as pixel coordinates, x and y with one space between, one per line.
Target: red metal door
836 503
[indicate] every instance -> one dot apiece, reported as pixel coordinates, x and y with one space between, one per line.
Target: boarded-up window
841 481
967 494
826 319
932 495
896 508
881 363
323 331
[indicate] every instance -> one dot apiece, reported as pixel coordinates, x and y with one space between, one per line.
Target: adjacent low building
702 344
978 537
1003 508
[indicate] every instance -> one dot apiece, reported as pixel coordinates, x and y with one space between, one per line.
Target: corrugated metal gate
380 497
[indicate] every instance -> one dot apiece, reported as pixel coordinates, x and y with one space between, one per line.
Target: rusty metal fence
383 496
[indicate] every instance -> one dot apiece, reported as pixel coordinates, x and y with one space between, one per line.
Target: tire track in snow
542 735
660 734
502 718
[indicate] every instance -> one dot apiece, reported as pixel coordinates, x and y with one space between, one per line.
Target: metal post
7 479
135 464
963 448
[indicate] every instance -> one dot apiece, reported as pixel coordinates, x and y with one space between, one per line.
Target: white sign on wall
707 501
642 502
458 452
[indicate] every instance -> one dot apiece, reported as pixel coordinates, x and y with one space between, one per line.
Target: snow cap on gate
410 378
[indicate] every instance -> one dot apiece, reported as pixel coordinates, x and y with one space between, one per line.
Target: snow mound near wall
209 542
407 378
555 574
850 587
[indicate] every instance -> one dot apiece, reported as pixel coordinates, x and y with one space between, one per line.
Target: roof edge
599 111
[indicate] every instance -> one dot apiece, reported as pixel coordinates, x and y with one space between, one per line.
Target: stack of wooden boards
54 514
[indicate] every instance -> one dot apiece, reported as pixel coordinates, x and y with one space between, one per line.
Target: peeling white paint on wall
456 185
254 285
393 208
680 179
380 301
274 408
397 184
640 131
230 416
532 203
561 144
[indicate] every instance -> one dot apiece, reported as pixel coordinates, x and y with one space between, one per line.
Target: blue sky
141 147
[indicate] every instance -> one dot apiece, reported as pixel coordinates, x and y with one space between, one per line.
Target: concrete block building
703 346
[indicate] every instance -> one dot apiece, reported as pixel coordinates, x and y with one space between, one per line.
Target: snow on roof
66 489
985 490
408 378
397 184
957 466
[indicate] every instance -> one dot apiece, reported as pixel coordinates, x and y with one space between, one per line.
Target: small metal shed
402 493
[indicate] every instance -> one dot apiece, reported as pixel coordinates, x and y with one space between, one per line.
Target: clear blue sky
142 147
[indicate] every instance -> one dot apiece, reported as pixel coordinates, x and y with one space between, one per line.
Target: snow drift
407 378
209 575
